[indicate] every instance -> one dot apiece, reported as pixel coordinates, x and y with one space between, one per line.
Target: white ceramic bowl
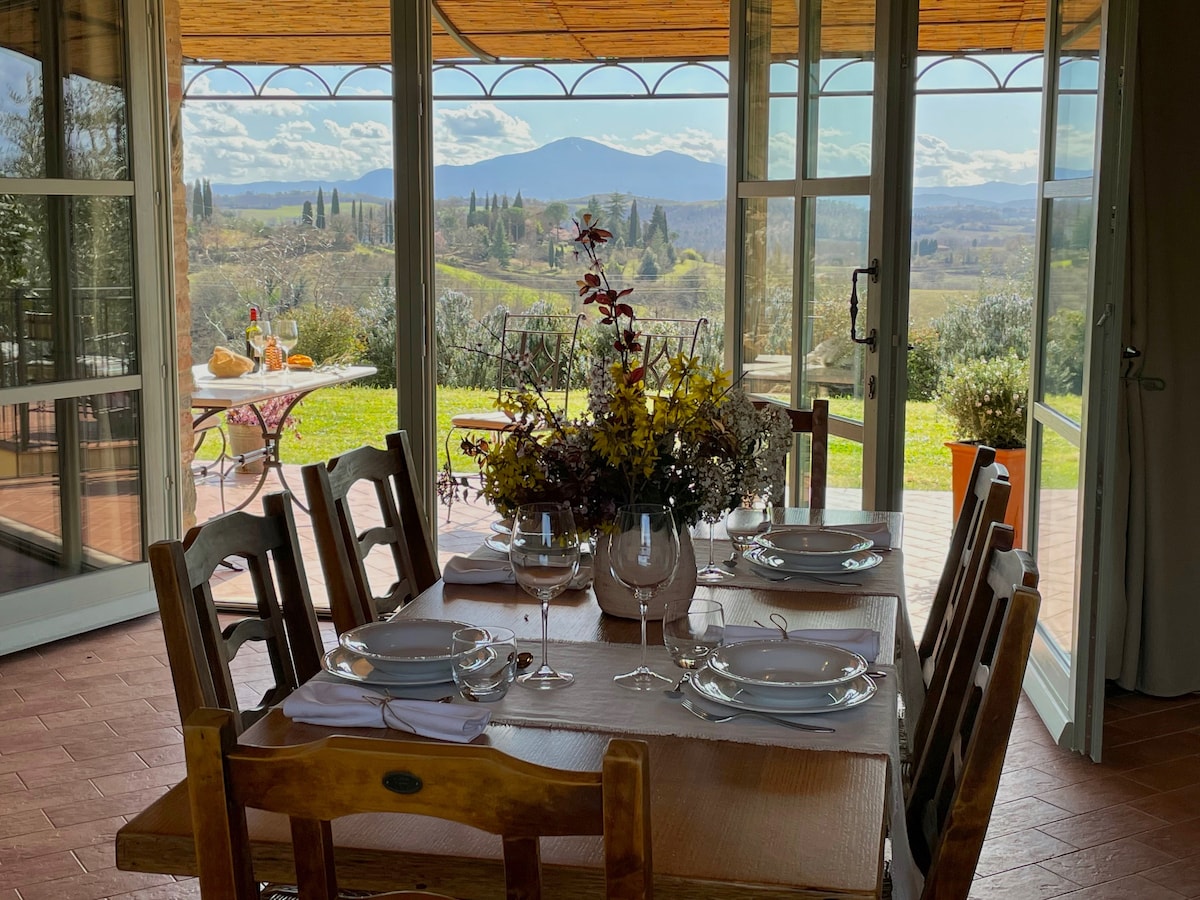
814 541
790 664
404 646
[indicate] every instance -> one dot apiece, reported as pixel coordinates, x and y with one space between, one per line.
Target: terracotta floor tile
1173 806
1168 776
1107 862
121 665
64 700
1096 794
1028 812
44 798
1126 889
1103 826
1029 753
1152 751
98 857
1071 768
90 732
33 758
179 890
39 869
1027 883
1182 875
168 776
94 885
57 840
126 709
23 822
59 773
142 740
1180 840
1020 848
162 756
148 721
103 807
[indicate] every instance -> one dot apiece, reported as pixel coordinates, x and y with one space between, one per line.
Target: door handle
873 271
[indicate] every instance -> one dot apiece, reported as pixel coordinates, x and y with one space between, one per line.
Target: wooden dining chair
199 650
949 803
473 785
986 501
662 340
813 422
403 530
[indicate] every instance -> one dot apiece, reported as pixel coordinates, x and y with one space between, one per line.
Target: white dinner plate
501 526
497 543
773 665
813 541
409 647
807 701
350 666
762 558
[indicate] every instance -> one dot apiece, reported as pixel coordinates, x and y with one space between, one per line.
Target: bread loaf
224 363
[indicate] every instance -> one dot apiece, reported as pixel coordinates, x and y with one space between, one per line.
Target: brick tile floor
90 736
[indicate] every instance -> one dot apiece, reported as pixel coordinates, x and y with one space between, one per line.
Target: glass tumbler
692 629
484 663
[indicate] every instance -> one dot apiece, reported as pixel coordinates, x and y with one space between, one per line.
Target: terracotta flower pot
617 600
246 439
962 455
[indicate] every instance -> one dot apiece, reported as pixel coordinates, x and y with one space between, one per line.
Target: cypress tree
471 214
197 203
359 231
208 201
553 254
371 225
306 215
320 208
634 228
519 216
335 208
501 249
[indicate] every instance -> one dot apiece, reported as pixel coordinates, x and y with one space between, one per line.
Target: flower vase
246 439
617 600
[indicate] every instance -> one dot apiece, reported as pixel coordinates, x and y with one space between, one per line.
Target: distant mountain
574 167
990 193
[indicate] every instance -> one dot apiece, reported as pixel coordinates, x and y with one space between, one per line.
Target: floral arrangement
697 446
272 412
988 399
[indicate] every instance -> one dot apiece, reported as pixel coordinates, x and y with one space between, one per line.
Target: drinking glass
744 524
485 661
692 629
710 571
258 340
643 549
543 548
288 335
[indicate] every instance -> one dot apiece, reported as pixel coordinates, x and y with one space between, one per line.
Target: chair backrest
983 504
397 522
954 785
199 650
814 422
663 339
474 785
537 347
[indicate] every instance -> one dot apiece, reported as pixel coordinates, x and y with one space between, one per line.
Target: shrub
988 401
1065 338
996 325
924 364
330 333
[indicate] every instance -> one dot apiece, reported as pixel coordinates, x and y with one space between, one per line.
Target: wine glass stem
545 632
712 526
643 604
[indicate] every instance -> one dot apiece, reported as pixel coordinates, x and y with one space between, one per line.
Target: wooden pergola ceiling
357 31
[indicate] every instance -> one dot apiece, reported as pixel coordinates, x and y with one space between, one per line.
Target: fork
807 575
726 717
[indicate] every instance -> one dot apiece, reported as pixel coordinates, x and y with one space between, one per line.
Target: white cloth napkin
876 531
351 706
470 570
863 641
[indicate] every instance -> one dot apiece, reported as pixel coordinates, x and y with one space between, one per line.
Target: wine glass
643 550
287 334
258 340
692 629
710 572
543 548
744 524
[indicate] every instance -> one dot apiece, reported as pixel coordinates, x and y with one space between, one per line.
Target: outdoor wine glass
744 523
258 340
710 572
544 550
287 334
643 550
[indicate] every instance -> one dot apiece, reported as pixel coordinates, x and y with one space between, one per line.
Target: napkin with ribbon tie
863 641
351 706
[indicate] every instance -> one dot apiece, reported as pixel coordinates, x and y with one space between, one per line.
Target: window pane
1078 85
88 107
50 452
1064 330
1058 518
839 90
769 304
98 300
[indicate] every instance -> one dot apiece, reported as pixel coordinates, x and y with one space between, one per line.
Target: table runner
595 703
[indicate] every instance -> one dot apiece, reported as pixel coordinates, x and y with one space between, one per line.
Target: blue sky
961 139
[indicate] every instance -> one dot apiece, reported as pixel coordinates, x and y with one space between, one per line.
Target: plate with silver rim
497 542
810 540
762 558
349 666
501 527
771 665
404 646
798 701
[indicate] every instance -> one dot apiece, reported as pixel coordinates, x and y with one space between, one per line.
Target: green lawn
338 419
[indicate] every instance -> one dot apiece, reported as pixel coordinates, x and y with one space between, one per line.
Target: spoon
676 692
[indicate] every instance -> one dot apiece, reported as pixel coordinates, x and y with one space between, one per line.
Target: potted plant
246 434
988 401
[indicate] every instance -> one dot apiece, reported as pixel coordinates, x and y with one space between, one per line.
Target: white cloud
936 164
478 131
703 145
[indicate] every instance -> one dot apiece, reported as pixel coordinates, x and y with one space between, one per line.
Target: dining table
738 809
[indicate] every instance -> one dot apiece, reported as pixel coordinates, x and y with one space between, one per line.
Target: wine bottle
252 331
